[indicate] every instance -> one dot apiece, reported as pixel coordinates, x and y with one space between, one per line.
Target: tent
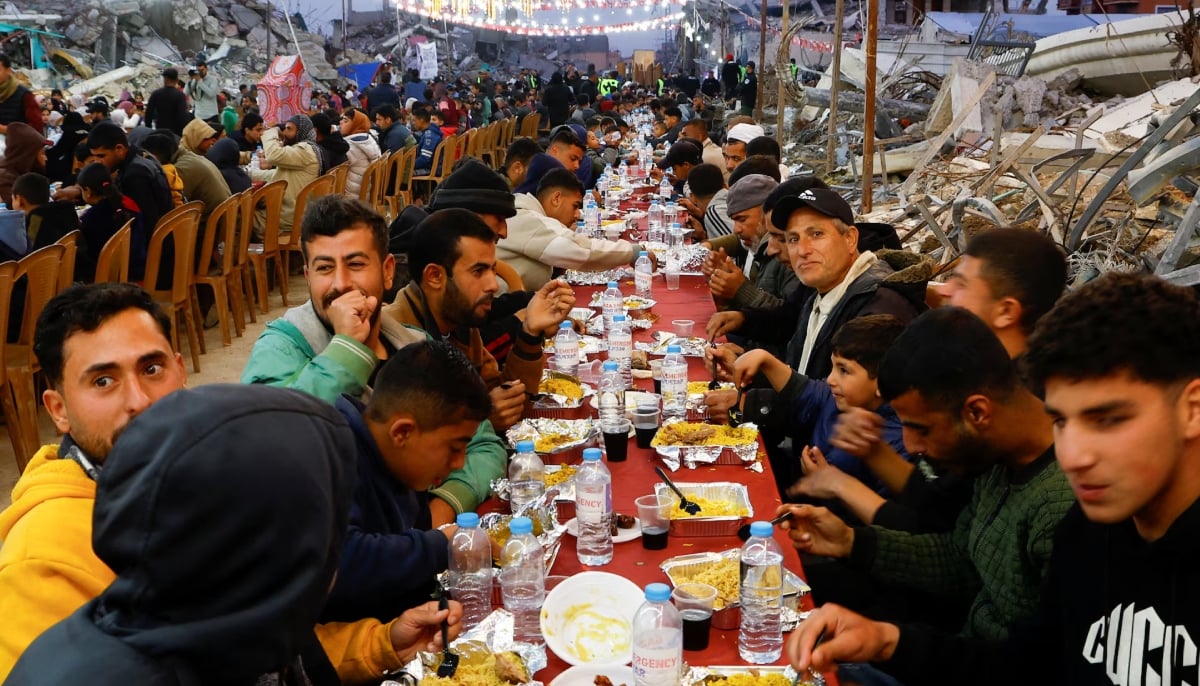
361 74
285 90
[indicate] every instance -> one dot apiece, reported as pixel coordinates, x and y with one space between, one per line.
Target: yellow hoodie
48 570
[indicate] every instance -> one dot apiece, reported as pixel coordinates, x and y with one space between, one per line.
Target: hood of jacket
216 573
904 272
196 132
45 478
529 203
225 153
538 165
22 144
334 142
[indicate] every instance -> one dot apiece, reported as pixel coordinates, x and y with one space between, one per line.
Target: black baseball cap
682 152
97 106
827 202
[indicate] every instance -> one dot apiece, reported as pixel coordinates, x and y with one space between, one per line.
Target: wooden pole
762 59
835 72
869 115
781 75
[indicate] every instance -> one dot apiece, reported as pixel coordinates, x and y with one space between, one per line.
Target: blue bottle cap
674 349
611 366
566 324
658 593
591 454
644 253
761 529
612 284
520 525
618 317
524 446
467 520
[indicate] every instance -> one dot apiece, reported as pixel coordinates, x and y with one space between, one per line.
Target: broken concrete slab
244 17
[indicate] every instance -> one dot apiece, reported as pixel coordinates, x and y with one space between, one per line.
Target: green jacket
296 351
999 549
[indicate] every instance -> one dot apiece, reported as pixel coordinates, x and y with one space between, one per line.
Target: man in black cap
167 107
679 160
97 111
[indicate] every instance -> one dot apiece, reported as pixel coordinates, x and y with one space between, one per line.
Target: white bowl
585 675
588 619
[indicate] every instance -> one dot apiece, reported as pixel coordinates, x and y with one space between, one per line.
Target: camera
192 72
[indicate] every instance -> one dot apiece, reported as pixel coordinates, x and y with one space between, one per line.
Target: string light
436 9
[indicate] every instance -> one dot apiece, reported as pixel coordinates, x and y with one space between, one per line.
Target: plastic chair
259 254
66 270
322 185
112 265
340 174
530 124
506 273
443 159
181 225
40 270
244 283
220 230
398 180
23 448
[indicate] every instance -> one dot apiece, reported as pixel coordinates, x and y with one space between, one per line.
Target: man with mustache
452 257
335 343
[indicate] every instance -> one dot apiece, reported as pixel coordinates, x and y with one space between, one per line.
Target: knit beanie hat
474 186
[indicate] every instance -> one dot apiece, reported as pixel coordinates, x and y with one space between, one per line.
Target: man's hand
350 314
718 403
758 362
726 280
69 193
721 360
441 512
818 531
508 402
858 432
713 260
724 322
420 628
845 637
548 307
821 479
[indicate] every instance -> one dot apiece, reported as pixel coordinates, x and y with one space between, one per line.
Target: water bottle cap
591 454
566 324
524 446
674 349
520 525
761 529
658 593
467 520
612 284
644 253
618 317
611 365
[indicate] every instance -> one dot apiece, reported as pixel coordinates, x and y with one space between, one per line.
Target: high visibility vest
607 86
661 84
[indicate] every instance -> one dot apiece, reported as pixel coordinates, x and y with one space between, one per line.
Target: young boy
163 147
1117 364
46 220
824 471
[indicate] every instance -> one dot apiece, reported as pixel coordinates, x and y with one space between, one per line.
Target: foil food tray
702 525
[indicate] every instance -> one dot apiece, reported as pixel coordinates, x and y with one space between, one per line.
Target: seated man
1124 413
962 405
452 256
426 405
106 353
239 603
46 221
541 236
335 343
708 202
429 136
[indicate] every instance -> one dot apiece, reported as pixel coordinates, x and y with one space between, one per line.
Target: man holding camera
202 89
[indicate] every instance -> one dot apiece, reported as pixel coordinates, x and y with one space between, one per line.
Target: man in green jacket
963 407
336 342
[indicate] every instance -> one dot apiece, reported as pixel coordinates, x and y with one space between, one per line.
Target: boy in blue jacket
429 136
825 471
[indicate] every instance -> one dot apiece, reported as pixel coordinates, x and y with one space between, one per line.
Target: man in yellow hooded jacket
105 350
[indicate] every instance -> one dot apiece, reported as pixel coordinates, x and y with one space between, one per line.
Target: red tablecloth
636 477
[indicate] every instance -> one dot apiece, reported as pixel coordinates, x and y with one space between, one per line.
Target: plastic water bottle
611 397
623 173
581 228
643 274
657 639
760 639
566 349
612 303
471 569
675 236
591 215
674 384
523 580
526 477
665 190
655 222
620 348
593 509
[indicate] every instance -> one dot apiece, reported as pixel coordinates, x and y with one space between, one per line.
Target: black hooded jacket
60 158
225 155
223 511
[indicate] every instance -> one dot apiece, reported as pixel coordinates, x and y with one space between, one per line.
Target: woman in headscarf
25 152
356 129
61 157
224 154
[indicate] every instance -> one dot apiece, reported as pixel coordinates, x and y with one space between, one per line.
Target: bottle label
658 664
567 351
620 345
642 280
592 502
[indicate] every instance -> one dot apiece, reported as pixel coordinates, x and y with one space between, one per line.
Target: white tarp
427 59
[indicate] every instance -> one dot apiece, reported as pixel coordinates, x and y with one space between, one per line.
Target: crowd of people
982 475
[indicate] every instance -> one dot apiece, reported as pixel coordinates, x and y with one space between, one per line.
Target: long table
635 477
